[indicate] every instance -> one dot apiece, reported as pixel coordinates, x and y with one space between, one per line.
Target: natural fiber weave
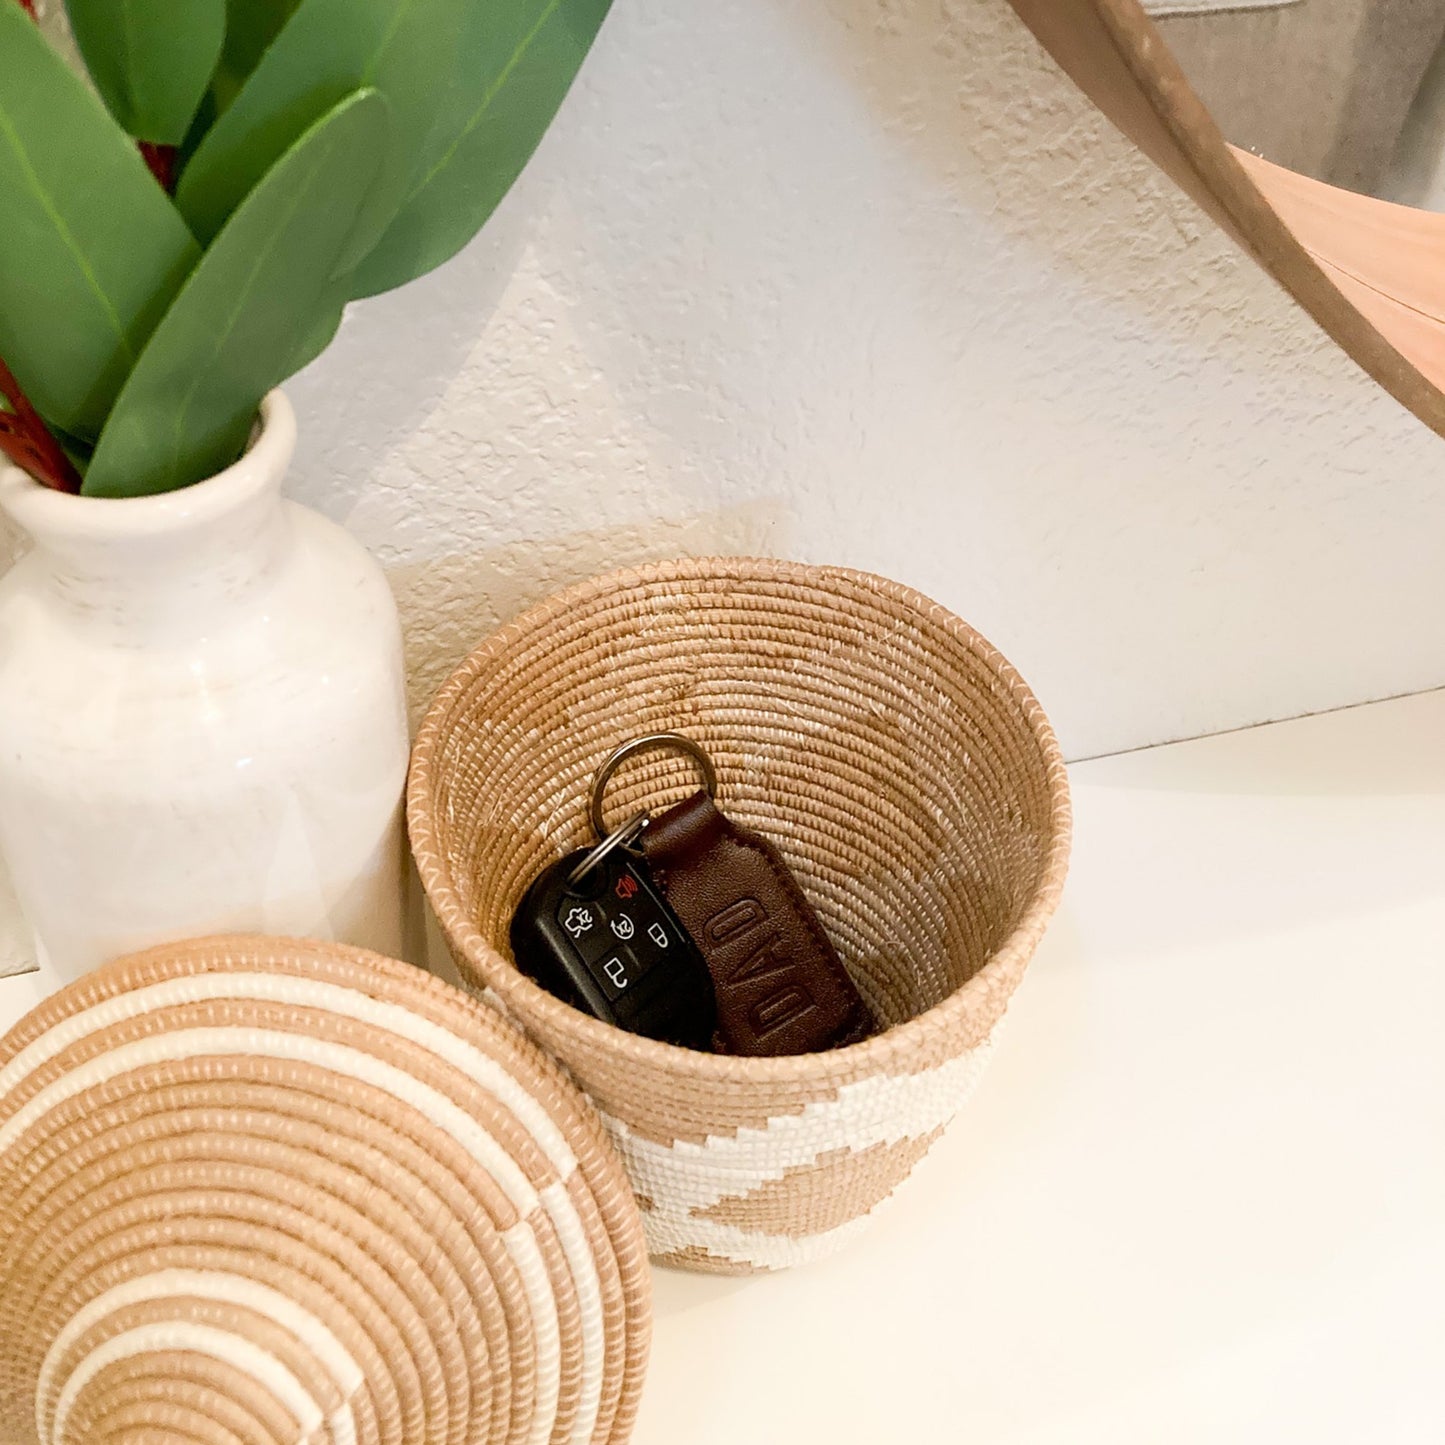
256 1190
907 774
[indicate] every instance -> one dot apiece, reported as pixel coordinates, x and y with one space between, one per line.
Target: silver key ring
651 741
624 837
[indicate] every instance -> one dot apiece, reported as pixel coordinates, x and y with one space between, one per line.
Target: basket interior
883 747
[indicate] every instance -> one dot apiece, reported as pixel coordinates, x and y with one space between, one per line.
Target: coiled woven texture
909 777
256 1191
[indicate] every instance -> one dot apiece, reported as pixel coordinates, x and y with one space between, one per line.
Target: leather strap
781 988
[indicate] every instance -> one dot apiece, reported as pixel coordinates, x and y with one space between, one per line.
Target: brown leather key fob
779 984
689 928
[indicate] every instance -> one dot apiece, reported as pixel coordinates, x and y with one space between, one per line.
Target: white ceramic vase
202 717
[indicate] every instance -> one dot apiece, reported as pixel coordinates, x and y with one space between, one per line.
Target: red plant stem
27 441
162 161
29 5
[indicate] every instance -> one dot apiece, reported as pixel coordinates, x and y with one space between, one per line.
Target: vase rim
45 512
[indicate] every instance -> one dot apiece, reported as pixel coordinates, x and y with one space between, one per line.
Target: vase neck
148 567
171 582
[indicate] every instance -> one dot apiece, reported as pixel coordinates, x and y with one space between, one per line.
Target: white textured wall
867 281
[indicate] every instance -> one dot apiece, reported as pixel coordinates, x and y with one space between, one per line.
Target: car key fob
608 944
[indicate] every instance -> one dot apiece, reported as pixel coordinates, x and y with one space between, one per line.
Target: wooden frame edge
1113 53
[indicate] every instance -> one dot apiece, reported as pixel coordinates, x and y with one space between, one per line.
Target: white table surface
1200 1194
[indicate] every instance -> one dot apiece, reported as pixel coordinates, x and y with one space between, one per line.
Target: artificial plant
182 233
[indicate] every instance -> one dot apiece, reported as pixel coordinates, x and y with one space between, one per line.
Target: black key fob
611 947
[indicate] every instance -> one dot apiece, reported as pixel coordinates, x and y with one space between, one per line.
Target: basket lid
263 1188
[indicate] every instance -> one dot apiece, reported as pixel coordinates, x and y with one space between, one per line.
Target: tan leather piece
780 986
1396 250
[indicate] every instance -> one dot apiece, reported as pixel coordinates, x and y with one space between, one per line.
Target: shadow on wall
450 604
965 88
368 384
11 545
370 403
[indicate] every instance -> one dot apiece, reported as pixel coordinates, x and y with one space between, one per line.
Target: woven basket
252 1189
908 776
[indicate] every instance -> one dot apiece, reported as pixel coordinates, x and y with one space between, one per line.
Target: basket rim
527 1001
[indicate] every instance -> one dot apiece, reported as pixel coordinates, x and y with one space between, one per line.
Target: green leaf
76 449
201 122
151 60
406 49
93 250
319 336
251 26
522 56
244 314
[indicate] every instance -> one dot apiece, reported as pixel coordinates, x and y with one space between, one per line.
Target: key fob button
585 924
618 972
622 925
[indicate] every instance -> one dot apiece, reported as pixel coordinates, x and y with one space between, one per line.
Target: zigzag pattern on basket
334 1200
724 1173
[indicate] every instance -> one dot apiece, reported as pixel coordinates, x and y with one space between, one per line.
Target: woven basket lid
257 1190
